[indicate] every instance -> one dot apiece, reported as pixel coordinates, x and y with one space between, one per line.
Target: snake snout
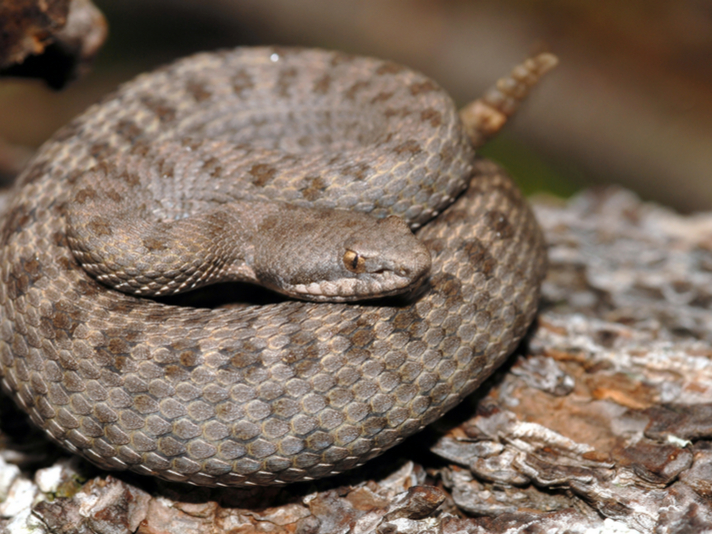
391 253
418 266
410 257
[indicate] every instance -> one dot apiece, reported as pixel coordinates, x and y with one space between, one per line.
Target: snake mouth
384 284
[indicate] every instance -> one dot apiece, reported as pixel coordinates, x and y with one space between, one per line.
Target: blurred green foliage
532 171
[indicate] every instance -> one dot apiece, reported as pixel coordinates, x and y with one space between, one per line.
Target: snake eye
354 262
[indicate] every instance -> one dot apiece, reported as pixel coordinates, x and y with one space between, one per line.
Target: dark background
630 104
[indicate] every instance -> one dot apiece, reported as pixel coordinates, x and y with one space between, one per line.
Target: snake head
341 256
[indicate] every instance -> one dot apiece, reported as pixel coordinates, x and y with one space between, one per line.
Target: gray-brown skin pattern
121 235
287 391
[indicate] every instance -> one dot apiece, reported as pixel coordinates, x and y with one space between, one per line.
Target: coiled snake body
288 390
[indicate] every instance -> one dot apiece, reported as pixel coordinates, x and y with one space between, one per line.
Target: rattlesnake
286 390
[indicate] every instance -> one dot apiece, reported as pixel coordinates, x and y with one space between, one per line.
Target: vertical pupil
354 262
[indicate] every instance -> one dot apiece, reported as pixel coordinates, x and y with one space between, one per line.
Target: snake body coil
285 391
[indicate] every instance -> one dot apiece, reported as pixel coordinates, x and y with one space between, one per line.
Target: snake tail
486 116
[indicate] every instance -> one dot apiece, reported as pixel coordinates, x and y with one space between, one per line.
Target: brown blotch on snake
208 158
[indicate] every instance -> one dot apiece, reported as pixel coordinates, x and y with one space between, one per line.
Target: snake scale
286 390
